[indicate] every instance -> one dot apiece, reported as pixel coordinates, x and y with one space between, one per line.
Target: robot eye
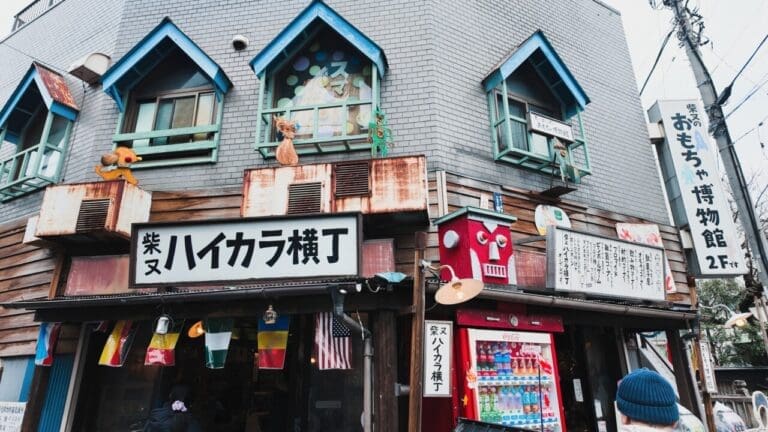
482 237
501 241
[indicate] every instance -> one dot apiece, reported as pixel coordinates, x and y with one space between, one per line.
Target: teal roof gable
149 52
276 50
550 68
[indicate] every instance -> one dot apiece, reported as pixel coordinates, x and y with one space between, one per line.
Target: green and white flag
218 332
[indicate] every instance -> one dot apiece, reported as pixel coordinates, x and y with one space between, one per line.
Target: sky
735 28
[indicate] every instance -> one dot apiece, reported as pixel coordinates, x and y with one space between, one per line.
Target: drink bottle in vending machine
510 378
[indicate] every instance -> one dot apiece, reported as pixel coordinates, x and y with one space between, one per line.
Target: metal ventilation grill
304 198
92 215
352 178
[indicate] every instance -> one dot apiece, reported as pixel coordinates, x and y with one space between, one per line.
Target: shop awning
593 305
184 295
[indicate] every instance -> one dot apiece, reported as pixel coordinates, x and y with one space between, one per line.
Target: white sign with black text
709 217
245 249
707 366
585 263
11 416
438 346
550 126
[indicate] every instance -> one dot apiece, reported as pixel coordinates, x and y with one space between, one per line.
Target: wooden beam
417 336
37 393
385 353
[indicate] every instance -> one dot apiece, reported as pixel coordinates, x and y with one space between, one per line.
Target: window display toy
379 134
285 152
118 165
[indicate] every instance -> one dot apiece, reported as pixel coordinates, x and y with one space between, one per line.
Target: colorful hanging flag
162 347
118 344
332 342
218 332
272 342
46 343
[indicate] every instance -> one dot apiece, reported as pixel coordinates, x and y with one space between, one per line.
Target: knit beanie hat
645 396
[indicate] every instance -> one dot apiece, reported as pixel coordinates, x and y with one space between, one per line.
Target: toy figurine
379 134
118 164
285 152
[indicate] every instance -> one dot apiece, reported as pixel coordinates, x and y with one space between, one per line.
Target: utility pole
719 130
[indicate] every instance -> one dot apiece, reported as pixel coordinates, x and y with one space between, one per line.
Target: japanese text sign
438 346
551 126
701 203
707 367
11 416
245 249
590 264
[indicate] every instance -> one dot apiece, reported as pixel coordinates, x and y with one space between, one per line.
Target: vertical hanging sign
438 341
708 371
696 193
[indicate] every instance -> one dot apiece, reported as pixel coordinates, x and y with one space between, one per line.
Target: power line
760 123
726 93
746 98
658 57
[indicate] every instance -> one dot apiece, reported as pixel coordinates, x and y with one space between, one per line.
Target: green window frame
514 142
153 127
330 126
39 156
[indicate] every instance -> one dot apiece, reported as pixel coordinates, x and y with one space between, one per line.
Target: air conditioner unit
396 185
96 211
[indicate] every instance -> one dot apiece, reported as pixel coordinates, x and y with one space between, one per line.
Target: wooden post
706 397
38 391
417 336
680 365
385 353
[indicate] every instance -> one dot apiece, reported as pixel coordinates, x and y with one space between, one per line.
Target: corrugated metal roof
178 295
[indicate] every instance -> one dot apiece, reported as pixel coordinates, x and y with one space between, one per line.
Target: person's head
646 397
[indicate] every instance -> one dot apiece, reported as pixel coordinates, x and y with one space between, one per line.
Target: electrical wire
658 57
760 123
746 98
748 61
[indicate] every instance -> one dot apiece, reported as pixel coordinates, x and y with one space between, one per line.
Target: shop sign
707 368
438 346
550 126
701 203
648 234
590 264
546 215
11 416
245 249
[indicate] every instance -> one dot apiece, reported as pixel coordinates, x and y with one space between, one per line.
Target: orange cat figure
285 153
122 158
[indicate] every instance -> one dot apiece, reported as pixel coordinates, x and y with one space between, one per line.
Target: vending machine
509 377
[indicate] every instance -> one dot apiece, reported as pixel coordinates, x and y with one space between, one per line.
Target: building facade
487 113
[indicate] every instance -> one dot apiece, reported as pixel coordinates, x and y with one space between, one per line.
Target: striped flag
118 344
332 343
273 340
218 332
46 343
162 347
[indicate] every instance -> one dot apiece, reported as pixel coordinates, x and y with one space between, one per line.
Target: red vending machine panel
511 379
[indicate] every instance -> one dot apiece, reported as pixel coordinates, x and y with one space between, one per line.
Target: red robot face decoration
478 244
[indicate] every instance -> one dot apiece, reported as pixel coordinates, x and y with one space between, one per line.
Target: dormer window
171 96
323 74
34 131
535 106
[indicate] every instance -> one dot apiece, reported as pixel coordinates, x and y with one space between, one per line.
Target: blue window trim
33 77
567 89
275 51
117 81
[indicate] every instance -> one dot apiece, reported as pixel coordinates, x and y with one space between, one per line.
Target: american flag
332 344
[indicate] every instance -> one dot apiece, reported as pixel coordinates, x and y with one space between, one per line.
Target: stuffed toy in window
118 165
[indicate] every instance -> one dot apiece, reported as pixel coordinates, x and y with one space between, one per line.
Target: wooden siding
25 273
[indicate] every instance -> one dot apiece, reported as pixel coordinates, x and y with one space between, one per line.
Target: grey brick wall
438 53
